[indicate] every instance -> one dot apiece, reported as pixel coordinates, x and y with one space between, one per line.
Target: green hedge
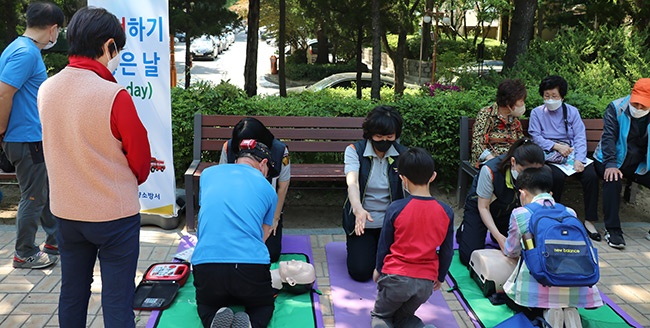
430 122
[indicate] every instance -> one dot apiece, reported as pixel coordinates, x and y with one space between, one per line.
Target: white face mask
518 111
50 43
405 188
637 113
514 173
113 62
553 104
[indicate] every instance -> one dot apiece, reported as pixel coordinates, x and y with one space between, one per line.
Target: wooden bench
300 134
7 178
467 170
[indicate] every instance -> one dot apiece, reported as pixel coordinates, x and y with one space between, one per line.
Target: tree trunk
188 61
250 70
323 47
9 21
523 21
376 51
426 33
359 51
398 61
281 75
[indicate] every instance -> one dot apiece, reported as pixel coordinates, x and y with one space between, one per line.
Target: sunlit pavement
29 298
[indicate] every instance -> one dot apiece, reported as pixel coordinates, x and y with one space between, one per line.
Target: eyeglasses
554 97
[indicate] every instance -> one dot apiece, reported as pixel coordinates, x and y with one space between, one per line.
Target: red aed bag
160 285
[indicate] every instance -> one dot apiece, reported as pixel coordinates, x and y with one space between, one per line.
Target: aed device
160 284
490 269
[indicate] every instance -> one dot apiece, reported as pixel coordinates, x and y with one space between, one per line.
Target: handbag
554 156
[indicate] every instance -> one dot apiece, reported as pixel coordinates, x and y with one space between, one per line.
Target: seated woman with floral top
497 126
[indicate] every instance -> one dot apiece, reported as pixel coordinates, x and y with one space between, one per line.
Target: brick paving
29 298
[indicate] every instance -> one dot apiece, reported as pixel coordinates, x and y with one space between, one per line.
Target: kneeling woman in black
493 196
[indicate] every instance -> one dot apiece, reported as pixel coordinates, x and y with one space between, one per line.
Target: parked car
230 36
346 80
180 36
223 42
204 47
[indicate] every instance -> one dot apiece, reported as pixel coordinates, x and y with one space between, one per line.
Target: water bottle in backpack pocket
562 255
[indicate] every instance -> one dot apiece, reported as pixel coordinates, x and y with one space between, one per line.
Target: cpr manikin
296 277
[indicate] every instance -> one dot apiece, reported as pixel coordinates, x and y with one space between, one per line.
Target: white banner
144 71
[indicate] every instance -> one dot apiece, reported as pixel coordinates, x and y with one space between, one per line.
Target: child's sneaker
223 318
572 318
50 249
554 317
37 261
241 320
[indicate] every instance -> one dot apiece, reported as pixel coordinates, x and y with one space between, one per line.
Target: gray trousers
398 297
34 206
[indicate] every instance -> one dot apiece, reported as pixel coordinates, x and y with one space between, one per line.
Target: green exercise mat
484 314
290 310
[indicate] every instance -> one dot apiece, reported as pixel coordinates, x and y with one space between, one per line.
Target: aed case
490 269
160 285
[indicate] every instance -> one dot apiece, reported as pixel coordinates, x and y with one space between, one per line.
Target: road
229 65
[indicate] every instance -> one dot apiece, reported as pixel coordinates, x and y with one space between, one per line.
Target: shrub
315 72
54 62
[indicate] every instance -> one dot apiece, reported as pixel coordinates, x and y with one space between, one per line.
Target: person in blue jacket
623 153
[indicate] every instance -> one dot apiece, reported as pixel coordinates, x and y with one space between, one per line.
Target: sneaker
241 320
50 249
554 317
223 318
615 239
37 261
572 318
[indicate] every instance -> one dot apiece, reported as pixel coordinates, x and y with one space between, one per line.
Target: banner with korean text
144 71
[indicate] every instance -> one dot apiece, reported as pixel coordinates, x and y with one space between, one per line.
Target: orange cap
641 92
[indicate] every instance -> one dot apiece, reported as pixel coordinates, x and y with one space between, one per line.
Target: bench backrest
299 133
593 129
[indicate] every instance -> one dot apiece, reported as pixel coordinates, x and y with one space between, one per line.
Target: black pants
612 193
224 284
274 243
590 188
471 233
362 254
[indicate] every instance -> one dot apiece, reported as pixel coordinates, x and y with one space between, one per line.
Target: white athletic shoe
554 317
572 318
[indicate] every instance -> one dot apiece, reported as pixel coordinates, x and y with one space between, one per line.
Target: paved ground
29 298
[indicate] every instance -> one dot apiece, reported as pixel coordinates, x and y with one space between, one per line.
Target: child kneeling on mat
408 268
558 303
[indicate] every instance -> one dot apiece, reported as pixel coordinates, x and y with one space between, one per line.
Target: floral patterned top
493 131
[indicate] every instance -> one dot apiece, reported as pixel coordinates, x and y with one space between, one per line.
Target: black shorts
223 284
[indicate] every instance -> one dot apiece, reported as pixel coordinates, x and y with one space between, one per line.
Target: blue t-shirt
235 201
22 67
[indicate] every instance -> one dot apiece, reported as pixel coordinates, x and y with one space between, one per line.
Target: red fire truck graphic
157 165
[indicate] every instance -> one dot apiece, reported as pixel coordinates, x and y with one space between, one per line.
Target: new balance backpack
562 255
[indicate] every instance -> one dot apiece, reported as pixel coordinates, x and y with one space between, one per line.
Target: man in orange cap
623 153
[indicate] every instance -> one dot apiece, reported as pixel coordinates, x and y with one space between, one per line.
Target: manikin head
297 277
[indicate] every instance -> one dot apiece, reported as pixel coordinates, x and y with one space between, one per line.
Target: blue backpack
563 255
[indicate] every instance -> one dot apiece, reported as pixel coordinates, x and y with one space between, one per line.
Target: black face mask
382 146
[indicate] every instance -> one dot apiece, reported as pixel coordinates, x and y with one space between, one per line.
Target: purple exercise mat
352 301
290 244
